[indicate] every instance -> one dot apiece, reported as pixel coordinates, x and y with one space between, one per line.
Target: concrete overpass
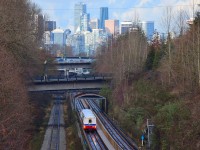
66 84
68 66
73 62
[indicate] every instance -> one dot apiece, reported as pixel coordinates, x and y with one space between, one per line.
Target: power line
141 7
110 8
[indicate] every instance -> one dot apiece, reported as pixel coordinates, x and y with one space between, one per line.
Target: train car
88 120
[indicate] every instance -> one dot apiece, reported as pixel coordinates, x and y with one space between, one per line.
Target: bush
170 120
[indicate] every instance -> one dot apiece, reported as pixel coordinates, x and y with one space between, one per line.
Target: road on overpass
68 84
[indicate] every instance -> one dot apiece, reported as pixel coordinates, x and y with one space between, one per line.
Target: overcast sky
145 10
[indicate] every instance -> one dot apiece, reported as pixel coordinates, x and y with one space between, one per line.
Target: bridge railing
50 78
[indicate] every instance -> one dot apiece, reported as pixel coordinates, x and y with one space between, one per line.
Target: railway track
55 134
55 126
122 141
94 140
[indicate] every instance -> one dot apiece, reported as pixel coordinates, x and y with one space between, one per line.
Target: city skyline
124 10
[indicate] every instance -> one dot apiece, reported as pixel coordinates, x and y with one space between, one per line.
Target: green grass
43 105
37 141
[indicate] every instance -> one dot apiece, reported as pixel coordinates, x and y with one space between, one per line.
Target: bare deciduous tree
167 24
18 51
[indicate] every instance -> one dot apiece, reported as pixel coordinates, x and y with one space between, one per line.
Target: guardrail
42 79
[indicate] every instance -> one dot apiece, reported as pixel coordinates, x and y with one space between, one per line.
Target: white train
88 119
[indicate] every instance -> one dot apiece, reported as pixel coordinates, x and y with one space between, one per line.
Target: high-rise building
97 35
125 26
79 10
112 26
148 28
85 22
50 25
58 37
88 43
39 21
94 23
103 17
77 42
47 37
99 38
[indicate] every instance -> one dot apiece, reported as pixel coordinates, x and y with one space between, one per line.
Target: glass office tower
50 25
79 10
103 17
148 28
85 18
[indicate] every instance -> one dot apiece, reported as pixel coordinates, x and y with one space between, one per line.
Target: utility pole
150 131
198 17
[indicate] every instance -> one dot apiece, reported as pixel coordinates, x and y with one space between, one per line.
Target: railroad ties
55 134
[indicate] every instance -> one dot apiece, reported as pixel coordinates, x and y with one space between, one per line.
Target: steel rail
116 135
128 139
55 132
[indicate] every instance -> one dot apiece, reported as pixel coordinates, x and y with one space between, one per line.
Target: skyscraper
99 38
126 26
88 39
84 22
94 23
58 37
79 10
50 25
39 24
148 28
112 26
103 17
47 37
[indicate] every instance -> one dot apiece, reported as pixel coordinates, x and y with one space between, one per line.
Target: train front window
90 120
